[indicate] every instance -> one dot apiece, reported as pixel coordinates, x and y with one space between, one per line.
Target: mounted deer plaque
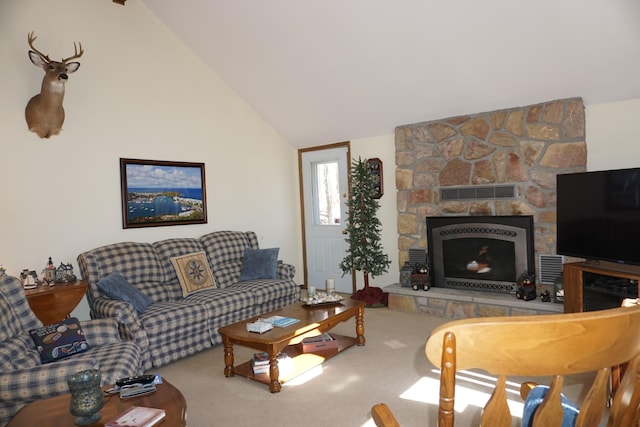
44 112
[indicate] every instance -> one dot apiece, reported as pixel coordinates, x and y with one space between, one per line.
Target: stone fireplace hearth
456 304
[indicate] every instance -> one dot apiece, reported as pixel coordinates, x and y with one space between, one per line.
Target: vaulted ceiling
331 70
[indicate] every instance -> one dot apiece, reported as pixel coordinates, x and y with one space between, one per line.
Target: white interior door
325 175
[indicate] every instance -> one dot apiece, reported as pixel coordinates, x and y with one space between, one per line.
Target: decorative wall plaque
375 170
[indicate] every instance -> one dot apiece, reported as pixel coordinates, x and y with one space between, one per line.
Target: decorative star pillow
193 272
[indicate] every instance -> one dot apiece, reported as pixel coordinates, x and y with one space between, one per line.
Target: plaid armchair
23 378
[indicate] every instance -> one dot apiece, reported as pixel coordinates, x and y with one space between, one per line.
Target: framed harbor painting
156 193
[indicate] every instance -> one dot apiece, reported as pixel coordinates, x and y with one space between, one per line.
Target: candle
330 286
311 291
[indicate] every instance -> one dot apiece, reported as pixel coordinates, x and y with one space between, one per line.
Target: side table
54 303
54 411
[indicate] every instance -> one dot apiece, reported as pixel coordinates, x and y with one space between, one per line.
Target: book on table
281 321
137 416
260 363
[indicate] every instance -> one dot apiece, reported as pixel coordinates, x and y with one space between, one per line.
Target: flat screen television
598 215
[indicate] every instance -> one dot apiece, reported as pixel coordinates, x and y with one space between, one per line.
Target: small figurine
545 296
29 279
526 287
49 273
64 273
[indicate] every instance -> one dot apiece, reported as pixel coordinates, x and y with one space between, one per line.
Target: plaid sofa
173 327
24 379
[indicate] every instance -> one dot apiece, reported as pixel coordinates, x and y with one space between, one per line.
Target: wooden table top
53 303
54 412
312 319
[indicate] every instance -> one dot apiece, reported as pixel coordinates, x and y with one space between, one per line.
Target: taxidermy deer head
44 112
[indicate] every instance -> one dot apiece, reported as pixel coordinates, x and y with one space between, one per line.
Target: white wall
613 135
383 147
139 93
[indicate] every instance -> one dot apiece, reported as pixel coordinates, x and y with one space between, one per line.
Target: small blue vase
86 396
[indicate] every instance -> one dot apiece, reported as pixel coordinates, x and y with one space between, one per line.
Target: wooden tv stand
573 280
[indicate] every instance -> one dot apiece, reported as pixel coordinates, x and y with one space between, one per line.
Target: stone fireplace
524 148
487 164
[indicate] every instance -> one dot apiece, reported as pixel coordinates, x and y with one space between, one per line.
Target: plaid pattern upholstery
267 290
24 379
129 325
167 249
174 327
285 271
14 309
225 250
137 262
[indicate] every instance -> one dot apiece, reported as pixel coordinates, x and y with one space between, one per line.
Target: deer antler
31 38
76 54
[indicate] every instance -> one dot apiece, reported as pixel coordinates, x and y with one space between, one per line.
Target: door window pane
326 198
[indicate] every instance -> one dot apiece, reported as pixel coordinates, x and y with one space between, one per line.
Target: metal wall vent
417 256
478 192
550 268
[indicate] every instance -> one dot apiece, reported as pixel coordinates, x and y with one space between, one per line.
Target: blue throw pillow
115 286
59 340
534 399
259 264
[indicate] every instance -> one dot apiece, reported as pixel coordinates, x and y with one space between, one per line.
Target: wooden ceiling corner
119 1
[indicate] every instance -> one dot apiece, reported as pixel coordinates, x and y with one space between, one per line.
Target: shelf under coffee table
313 321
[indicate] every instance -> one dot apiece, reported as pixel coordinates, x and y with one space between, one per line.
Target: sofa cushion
115 286
176 329
169 248
137 262
225 250
193 272
259 264
59 340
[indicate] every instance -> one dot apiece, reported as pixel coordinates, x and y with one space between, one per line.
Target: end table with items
52 303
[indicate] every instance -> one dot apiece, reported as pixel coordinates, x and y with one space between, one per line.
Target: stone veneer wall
525 146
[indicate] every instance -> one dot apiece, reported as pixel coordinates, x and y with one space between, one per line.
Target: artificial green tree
363 227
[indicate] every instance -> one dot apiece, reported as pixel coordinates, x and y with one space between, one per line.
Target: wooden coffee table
313 321
54 412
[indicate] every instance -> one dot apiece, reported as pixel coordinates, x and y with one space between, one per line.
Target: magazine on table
281 321
138 416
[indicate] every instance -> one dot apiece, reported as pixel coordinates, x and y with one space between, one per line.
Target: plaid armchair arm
285 271
41 382
129 325
123 312
100 331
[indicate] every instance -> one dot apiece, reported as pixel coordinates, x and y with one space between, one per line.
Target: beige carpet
391 368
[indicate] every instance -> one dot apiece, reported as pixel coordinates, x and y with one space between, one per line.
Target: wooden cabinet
588 287
54 303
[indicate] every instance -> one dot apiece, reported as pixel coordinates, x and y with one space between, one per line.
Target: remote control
139 379
137 390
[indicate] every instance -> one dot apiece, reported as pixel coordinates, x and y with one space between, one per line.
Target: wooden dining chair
540 346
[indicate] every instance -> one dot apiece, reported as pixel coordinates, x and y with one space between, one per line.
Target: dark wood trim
346 144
